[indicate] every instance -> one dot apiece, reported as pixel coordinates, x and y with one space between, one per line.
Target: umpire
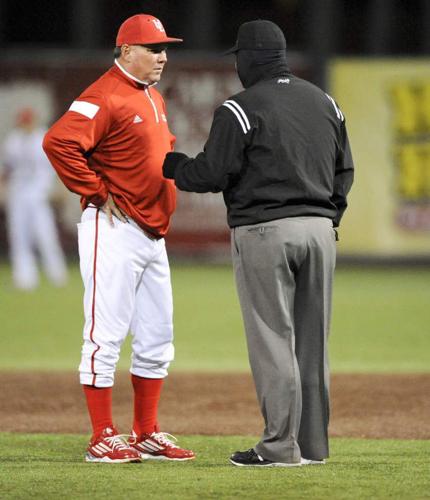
279 152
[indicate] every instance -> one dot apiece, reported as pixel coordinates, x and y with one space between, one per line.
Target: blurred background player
109 148
32 231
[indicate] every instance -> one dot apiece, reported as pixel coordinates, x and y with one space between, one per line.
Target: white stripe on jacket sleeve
85 108
239 113
339 113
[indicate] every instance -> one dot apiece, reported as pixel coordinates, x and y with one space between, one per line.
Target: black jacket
278 149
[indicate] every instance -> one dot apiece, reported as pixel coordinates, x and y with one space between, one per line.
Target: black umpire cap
259 35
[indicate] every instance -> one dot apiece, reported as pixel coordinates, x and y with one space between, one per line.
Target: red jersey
113 139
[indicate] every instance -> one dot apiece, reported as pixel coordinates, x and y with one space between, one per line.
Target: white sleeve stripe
334 105
241 111
85 108
242 124
339 113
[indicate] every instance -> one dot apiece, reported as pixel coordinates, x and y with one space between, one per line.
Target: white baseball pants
126 277
32 230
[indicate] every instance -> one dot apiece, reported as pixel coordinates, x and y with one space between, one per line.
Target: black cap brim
231 50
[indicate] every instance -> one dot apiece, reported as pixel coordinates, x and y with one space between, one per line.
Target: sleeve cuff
99 199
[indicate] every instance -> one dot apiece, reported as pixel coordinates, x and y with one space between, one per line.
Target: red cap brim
160 42
147 41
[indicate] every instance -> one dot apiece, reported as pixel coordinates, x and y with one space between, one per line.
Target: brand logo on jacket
283 80
137 119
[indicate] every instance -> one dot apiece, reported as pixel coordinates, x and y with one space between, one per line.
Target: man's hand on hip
111 209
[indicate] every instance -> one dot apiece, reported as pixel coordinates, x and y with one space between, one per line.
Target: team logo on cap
158 25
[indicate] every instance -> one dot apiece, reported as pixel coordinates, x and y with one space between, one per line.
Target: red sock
146 396
99 402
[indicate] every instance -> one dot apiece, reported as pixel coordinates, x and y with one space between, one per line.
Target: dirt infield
371 406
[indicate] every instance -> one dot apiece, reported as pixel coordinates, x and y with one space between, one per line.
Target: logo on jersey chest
137 119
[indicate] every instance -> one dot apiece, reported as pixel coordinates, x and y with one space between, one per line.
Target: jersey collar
129 75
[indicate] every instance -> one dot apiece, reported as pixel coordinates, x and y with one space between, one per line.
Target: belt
149 235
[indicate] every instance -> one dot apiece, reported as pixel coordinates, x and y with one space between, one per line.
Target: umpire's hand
171 161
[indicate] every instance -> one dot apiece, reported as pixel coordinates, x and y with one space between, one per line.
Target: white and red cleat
111 447
159 446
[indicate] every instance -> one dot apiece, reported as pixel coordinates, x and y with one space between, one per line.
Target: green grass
51 466
380 322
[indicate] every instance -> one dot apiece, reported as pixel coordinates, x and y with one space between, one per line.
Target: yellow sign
387 108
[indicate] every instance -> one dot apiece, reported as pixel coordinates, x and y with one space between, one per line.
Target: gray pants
284 274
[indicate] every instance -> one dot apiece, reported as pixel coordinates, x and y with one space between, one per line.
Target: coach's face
146 62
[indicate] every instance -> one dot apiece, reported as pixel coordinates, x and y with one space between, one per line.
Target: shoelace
165 438
118 442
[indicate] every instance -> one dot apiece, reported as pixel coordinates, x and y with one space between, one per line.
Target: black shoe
252 459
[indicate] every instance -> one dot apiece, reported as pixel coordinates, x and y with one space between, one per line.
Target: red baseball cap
143 29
